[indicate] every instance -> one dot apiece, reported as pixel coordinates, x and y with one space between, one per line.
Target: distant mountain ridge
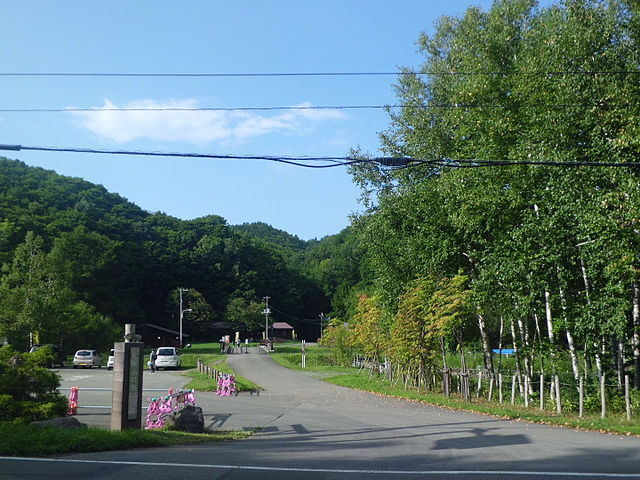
29 195
266 232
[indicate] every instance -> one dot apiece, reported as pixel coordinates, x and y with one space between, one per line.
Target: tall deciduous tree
552 250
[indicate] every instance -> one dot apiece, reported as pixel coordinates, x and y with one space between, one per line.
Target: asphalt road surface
313 430
94 390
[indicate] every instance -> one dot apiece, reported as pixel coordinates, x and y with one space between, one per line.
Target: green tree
31 296
367 331
245 314
549 249
37 305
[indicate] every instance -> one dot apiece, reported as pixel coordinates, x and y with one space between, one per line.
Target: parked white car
87 358
168 357
111 360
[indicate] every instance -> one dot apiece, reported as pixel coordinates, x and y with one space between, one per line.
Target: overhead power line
313 321
301 161
331 161
317 74
602 105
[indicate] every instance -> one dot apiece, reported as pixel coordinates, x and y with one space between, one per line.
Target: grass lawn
318 359
18 440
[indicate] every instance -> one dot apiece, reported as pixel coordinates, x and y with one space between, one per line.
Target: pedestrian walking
152 360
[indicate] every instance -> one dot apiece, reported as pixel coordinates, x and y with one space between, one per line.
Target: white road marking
328 470
75 378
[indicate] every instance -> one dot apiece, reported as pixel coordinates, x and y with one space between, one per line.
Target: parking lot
94 394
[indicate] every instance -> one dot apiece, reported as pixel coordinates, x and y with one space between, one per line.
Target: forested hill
120 264
47 203
270 234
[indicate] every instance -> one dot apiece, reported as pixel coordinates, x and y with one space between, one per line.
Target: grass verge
209 354
318 359
378 385
17 440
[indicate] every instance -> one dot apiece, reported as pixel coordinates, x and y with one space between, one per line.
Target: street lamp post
266 312
182 313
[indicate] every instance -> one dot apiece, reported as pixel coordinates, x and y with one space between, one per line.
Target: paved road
310 429
154 384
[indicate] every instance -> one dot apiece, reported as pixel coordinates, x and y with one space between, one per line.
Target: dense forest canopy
549 255
75 255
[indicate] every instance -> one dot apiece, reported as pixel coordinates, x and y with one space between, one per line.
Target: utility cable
329 161
291 317
603 105
296 161
318 74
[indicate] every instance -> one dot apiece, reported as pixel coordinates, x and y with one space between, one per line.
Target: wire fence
562 393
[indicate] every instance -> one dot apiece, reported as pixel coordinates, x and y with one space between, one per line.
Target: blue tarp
504 351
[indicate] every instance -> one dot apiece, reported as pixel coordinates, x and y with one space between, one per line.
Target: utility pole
182 312
266 312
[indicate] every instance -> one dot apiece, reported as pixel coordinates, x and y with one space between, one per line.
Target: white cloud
196 126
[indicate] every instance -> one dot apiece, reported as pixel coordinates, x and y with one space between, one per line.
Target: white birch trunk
515 346
524 337
570 342
549 318
574 355
587 288
621 363
635 338
488 358
500 343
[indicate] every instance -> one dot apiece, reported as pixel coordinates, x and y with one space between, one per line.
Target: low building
283 331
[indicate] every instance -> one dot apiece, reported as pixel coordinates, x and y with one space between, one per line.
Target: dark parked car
57 359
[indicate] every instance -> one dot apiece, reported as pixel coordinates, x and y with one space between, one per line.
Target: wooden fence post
557 389
445 382
581 399
467 387
541 391
479 383
603 398
513 389
500 387
491 380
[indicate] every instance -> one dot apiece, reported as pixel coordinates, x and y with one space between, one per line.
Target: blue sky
251 36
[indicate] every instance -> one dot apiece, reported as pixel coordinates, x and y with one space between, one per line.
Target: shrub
28 391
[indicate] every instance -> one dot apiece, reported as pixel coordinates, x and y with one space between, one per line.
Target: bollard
73 402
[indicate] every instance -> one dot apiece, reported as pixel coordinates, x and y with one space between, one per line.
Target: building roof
163 329
282 326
